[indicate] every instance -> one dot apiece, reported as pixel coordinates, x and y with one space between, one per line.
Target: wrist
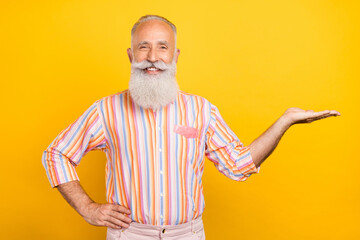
89 212
85 207
285 122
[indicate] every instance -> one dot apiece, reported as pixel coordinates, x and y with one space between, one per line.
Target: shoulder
193 97
201 102
109 102
112 97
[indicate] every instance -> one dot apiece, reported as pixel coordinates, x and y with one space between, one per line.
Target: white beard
153 91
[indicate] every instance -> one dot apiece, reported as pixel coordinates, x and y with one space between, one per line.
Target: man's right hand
108 215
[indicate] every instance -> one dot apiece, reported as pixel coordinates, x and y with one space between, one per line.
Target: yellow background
252 59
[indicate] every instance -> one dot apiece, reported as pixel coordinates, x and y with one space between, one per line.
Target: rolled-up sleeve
67 149
225 150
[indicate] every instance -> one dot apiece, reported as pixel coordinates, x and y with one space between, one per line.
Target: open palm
297 115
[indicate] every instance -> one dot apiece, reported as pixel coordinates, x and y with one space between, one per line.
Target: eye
163 47
143 46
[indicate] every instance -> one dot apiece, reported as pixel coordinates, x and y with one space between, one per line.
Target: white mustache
146 64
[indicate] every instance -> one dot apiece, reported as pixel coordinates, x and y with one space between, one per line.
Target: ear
177 53
130 54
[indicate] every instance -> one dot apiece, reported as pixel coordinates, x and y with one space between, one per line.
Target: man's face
153 65
153 40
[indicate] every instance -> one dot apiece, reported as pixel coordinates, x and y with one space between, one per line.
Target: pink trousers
190 231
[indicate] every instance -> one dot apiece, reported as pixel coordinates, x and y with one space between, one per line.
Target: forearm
264 145
109 215
75 195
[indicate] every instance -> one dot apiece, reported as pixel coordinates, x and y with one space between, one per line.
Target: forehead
153 31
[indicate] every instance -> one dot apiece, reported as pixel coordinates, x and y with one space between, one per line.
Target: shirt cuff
59 169
246 164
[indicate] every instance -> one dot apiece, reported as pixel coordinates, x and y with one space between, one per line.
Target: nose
152 55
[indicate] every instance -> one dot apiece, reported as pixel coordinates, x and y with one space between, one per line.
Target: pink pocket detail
188 132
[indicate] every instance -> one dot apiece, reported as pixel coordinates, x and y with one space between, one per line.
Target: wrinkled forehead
153 31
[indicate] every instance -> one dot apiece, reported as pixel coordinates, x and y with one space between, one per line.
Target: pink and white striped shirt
155 159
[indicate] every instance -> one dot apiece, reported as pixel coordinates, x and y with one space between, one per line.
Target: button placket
158 128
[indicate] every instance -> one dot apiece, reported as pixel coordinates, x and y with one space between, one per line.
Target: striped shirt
155 159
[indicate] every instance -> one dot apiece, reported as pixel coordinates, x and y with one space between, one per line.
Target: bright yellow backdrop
252 59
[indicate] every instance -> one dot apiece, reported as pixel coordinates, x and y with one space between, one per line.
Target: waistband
192 226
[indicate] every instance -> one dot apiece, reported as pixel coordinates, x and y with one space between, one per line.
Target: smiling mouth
152 70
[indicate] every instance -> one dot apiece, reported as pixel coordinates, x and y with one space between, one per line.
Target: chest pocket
188 132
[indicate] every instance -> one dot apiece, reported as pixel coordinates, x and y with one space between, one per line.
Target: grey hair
153 17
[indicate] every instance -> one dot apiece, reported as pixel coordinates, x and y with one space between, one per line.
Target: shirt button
161 216
161 194
161 172
160 150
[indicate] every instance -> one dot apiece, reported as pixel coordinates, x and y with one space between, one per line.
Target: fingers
121 209
120 216
296 115
327 113
334 113
114 222
109 215
111 225
116 215
323 114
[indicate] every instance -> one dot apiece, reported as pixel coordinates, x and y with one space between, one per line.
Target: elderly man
155 138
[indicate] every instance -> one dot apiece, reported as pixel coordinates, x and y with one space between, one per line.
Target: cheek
167 58
140 57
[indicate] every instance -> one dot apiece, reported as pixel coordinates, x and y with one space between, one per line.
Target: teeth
152 69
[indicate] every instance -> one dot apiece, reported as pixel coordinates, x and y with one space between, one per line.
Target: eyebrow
163 42
159 42
143 42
